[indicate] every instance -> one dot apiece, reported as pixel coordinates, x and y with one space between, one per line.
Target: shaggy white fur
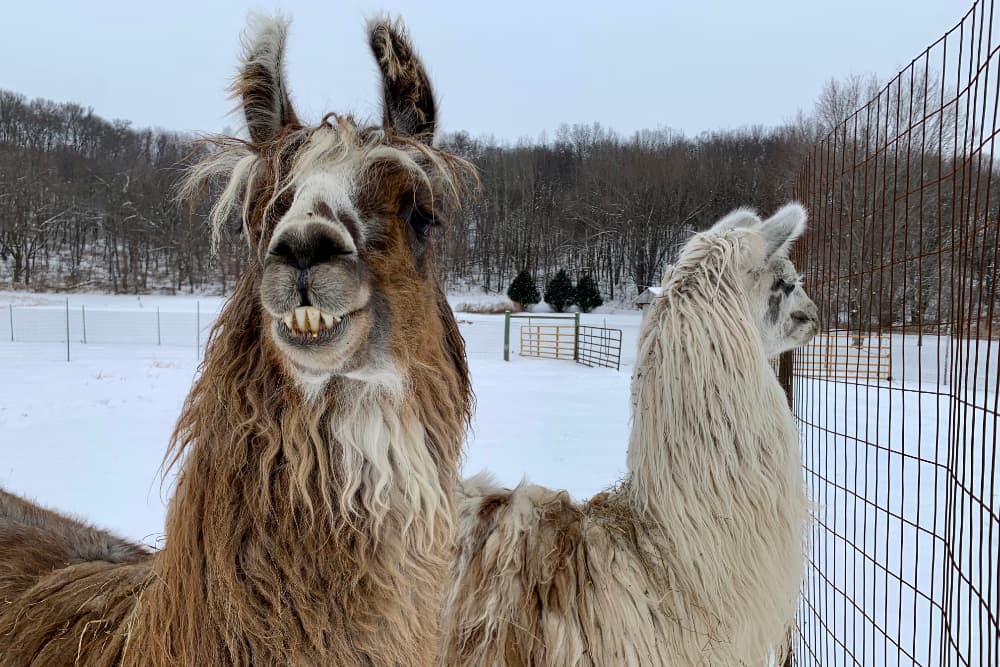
697 556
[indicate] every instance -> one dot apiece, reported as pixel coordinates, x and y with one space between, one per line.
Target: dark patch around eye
774 307
420 222
783 285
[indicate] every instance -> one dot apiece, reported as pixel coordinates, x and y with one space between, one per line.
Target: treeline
592 202
86 203
904 207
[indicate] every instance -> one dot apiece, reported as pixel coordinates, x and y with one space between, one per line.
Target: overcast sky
509 69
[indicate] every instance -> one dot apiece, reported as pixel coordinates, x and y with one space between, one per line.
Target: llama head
783 313
339 214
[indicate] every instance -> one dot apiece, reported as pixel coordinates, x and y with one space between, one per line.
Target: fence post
506 335
576 336
785 372
83 316
12 323
785 375
67 328
157 324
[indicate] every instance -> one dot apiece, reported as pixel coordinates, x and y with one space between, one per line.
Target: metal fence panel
114 326
903 249
600 346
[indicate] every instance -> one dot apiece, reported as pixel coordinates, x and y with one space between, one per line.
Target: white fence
82 325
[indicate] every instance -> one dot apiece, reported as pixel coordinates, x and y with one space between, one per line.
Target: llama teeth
301 319
312 314
309 321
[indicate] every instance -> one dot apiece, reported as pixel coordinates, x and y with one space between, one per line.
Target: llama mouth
308 325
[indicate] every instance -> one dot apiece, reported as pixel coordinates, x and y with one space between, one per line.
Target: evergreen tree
588 296
523 290
560 293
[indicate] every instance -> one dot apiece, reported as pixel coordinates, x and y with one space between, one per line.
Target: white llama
696 557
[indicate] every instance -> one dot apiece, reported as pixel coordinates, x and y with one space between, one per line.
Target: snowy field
88 436
896 531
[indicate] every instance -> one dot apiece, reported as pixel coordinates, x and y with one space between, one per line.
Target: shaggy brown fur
291 538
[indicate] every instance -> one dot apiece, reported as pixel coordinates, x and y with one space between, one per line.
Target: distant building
646 297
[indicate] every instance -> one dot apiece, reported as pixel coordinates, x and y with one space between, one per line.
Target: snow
895 469
88 437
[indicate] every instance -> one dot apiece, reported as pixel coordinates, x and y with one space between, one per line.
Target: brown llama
312 521
696 557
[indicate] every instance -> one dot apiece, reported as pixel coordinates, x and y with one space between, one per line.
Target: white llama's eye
782 285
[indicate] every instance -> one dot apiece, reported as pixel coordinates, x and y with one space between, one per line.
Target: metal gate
600 346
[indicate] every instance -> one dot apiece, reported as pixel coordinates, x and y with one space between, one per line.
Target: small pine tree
560 294
588 296
523 290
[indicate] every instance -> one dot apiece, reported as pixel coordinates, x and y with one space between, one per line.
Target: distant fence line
903 252
78 324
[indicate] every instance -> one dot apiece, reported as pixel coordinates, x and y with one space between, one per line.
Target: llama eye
420 222
780 284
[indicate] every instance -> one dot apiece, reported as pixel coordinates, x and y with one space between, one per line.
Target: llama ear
408 106
260 84
782 228
740 218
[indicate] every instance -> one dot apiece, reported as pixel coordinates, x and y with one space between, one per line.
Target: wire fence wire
78 324
903 248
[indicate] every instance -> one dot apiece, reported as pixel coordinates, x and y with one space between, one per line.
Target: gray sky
511 69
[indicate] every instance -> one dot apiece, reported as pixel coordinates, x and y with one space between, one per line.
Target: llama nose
303 247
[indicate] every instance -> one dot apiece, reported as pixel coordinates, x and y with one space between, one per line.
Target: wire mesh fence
903 468
78 324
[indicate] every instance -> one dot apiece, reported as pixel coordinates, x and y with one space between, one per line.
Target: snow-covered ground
903 475
88 437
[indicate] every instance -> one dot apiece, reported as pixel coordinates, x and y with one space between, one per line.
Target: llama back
540 580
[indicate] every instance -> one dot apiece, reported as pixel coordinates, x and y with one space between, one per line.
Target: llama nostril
304 248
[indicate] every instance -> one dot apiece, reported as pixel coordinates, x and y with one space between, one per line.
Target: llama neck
714 473
707 409
283 539
292 519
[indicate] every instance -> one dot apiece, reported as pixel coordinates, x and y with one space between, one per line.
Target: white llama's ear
408 106
782 228
740 218
260 84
